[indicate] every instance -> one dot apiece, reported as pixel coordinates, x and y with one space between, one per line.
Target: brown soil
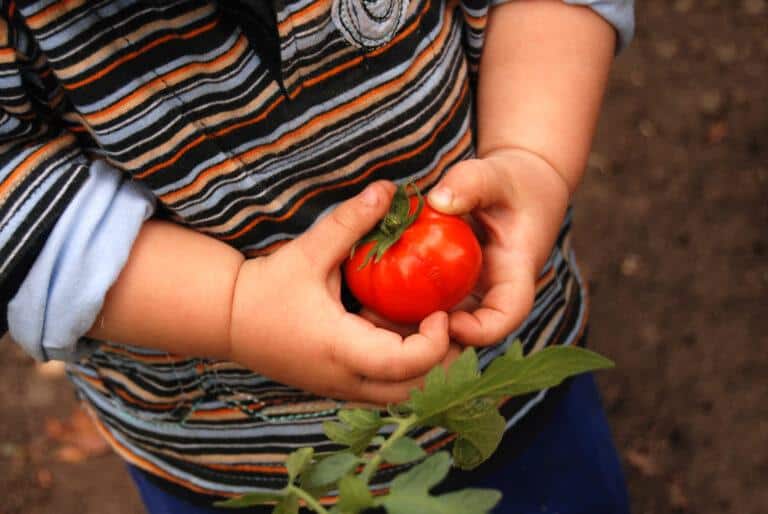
671 230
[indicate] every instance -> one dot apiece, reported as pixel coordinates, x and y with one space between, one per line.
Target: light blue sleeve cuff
619 13
64 290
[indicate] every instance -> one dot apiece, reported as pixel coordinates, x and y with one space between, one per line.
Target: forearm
542 77
174 294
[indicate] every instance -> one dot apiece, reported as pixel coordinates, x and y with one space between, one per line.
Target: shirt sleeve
41 167
61 296
619 13
66 222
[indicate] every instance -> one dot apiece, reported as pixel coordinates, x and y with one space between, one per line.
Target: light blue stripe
138 82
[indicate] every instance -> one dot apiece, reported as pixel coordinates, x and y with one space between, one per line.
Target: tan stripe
172 78
314 10
29 164
309 131
52 13
172 144
426 133
3 33
94 59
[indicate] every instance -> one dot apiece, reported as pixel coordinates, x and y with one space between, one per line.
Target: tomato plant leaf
403 451
354 495
288 505
357 440
250 499
424 476
361 419
510 376
515 350
474 500
298 461
480 429
329 470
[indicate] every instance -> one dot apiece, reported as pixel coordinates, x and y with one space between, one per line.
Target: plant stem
311 502
404 425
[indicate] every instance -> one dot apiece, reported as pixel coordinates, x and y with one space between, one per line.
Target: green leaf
357 440
471 500
361 419
354 495
424 476
250 499
464 369
402 451
441 389
480 429
466 455
288 505
329 470
378 440
515 350
297 461
465 501
509 376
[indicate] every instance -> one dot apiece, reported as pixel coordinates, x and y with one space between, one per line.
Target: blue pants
571 467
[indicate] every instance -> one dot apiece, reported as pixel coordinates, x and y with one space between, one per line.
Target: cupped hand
288 323
518 202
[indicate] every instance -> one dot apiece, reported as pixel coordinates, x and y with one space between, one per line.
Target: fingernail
441 197
370 196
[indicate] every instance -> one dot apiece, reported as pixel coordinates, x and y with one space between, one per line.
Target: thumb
468 185
332 237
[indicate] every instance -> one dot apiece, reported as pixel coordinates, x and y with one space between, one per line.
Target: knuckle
342 220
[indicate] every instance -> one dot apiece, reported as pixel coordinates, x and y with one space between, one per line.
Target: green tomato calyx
394 224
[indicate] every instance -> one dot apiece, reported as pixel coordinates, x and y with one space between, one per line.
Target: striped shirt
249 144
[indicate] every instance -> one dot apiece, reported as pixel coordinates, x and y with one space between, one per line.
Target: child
187 176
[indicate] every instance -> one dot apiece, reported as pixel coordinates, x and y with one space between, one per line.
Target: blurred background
672 232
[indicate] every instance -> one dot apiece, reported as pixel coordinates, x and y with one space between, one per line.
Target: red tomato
432 265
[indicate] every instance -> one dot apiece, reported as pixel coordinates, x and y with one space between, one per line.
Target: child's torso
177 95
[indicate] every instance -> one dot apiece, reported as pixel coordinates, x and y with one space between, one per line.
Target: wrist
525 168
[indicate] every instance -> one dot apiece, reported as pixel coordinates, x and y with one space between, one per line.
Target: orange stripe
168 77
269 470
7 52
161 407
130 56
170 197
50 10
298 14
143 463
27 163
349 64
355 180
297 133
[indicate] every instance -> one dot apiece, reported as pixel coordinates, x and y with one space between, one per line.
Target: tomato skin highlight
432 267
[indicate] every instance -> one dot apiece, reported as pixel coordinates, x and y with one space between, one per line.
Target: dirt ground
671 231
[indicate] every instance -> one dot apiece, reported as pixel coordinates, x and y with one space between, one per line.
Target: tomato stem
394 224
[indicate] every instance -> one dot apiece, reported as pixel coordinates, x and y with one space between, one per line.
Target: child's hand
288 322
519 202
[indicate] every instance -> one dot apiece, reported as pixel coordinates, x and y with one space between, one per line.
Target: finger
329 241
381 322
381 392
503 309
468 185
383 355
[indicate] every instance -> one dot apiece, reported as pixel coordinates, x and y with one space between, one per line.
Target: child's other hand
519 202
288 322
